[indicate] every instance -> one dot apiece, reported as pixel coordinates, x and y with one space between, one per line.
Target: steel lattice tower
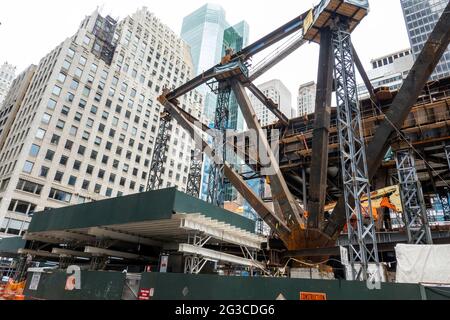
160 153
414 211
216 178
353 157
195 174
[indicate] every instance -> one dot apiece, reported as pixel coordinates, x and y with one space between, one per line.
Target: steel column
353 158
414 211
195 174
319 164
216 179
160 153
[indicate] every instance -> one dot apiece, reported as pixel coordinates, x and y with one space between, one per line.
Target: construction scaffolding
414 210
353 158
160 153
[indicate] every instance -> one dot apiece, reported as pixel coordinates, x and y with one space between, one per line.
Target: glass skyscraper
209 35
420 17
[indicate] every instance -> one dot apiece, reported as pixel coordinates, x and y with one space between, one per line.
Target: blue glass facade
208 33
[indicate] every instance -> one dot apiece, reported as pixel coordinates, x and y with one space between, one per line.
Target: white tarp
423 264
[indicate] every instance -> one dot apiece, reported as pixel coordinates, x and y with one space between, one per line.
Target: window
86 135
30 187
98 140
78 116
81 150
56 90
82 103
108 145
108 192
21 207
94 155
44 172
94 67
70 53
34 151
65 110
28 167
70 97
77 165
78 73
66 65
97 188
105 159
86 40
126 167
90 123
122 181
73 131
116 164
59 195
61 77
85 185
63 160
40 134
58 176
74 85
101 174
86 91
60 124
72 181
90 169
51 104
68 145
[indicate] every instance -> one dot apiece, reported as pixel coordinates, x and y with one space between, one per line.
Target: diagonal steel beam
364 76
279 56
420 73
319 164
280 191
260 207
272 106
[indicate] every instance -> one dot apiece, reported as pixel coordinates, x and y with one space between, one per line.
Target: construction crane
329 24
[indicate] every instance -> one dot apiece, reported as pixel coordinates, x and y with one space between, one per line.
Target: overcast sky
30 29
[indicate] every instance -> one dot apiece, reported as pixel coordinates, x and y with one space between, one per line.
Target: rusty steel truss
296 227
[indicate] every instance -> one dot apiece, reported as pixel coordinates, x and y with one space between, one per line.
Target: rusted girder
364 76
279 187
272 106
321 132
272 220
407 96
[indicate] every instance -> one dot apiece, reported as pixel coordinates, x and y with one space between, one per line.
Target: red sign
146 294
313 296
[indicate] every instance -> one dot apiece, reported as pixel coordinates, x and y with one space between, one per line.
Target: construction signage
146 294
313 296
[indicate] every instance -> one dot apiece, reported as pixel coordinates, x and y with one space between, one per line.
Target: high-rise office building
421 17
280 94
388 71
306 100
85 128
209 35
7 74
